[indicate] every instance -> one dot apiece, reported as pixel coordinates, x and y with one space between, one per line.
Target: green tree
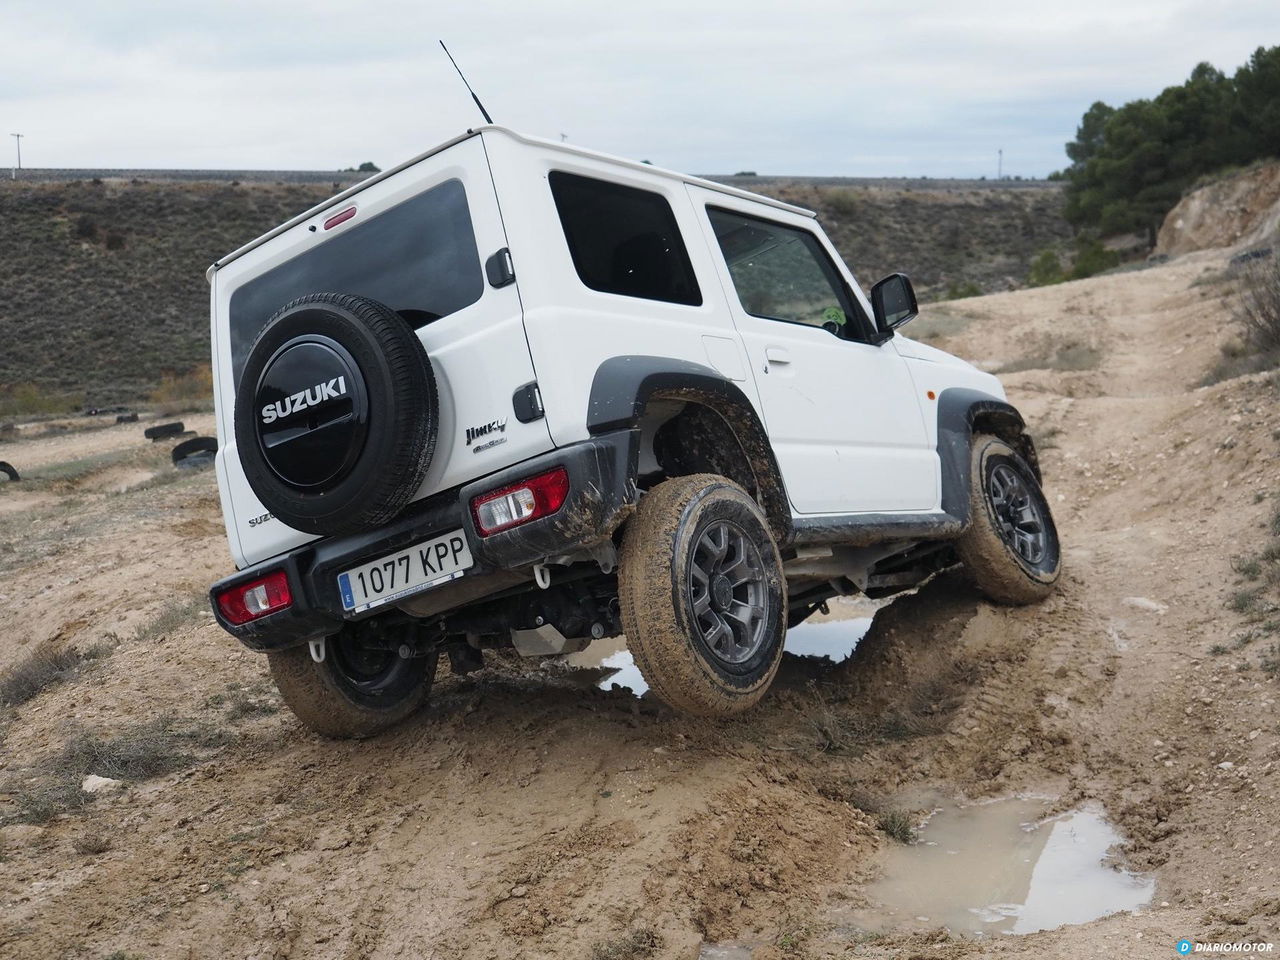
1257 106
1089 135
1130 165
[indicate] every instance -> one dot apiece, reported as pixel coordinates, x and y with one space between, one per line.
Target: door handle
777 355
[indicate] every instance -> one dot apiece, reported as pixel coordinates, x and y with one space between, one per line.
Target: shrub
190 390
843 203
1091 258
1259 308
172 616
44 668
146 750
962 289
29 399
898 825
1046 269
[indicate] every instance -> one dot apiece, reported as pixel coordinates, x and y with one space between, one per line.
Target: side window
624 240
783 273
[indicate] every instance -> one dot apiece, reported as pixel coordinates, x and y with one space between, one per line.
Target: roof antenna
483 112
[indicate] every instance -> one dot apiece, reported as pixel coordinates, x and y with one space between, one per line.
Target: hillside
1243 208
102 282
940 236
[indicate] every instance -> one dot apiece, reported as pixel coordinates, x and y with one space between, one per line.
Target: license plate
412 570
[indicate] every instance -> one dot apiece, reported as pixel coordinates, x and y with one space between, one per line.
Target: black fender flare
623 387
959 409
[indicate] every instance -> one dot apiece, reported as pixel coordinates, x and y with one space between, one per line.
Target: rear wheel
1011 550
702 594
360 688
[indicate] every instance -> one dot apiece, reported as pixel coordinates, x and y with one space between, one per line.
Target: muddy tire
702 594
1011 550
7 471
357 691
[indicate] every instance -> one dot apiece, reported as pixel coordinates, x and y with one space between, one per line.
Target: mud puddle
1003 867
607 662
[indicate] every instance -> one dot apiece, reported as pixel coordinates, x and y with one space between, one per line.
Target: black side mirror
893 301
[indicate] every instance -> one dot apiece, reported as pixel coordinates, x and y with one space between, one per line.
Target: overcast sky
801 87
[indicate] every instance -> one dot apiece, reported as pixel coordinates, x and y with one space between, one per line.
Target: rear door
842 414
418 242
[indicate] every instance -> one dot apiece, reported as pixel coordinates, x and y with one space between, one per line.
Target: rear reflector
521 502
249 601
338 218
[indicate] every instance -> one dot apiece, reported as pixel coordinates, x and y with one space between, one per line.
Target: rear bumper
602 492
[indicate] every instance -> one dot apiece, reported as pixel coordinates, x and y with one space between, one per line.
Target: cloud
806 87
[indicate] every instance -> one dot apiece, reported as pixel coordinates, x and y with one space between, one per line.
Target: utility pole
564 137
17 139
1000 164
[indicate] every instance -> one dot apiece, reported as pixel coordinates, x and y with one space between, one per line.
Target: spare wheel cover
336 415
312 412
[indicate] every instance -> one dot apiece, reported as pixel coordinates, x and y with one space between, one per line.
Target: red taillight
338 218
246 602
521 502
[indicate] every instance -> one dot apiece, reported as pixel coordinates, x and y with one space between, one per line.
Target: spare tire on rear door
336 414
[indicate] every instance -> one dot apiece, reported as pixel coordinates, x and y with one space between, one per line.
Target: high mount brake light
338 218
246 602
521 502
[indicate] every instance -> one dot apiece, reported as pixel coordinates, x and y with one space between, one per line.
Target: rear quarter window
419 258
624 240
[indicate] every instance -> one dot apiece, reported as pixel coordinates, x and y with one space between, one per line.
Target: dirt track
525 816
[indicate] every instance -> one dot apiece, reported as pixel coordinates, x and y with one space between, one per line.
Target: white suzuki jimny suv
515 393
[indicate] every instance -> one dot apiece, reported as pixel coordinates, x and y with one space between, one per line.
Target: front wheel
362 686
702 594
1011 550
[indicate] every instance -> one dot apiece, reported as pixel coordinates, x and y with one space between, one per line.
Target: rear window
419 258
624 240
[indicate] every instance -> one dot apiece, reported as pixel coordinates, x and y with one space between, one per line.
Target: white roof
645 167
522 138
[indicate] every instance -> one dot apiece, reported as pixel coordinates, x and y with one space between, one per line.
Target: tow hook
317 649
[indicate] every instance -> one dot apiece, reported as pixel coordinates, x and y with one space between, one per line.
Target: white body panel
843 417
478 354
933 370
573 329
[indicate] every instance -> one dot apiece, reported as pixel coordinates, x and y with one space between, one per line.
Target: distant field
55 175
749 181
102 287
